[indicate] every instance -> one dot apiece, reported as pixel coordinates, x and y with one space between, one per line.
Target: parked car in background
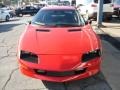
58 3
116 5
90 8
64 47
2 5
39 5
53 3
64 3
26 10
10 11
4 16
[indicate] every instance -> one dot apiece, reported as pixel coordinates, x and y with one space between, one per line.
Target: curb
108 37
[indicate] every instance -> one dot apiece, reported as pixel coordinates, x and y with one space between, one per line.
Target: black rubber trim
43 30
111 40
59 74
74 30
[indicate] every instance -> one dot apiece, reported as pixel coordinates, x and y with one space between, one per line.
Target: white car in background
90 8
4 16
10 11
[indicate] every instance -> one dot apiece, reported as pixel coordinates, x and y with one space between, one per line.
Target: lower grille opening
60 74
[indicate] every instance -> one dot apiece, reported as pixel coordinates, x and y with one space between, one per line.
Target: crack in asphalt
8 53
10 76
3 41
4 46
4 57
7 56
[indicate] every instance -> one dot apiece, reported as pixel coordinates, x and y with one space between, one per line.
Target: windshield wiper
62 24
38 23
66 24
56 24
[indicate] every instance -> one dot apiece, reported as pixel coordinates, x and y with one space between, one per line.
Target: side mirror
81 5
28 22
88 22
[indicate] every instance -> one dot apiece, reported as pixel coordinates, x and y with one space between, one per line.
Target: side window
27 8
104 1
73 2
107 1
31 7
96 1
81 19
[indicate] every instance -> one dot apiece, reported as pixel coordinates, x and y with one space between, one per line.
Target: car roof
58 8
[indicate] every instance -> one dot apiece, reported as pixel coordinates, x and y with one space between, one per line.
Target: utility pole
100 13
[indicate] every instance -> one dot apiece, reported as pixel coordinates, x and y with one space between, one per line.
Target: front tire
7 18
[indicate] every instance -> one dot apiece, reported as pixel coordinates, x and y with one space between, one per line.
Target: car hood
56 40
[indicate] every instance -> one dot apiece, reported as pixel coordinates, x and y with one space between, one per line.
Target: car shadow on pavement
114 20
113 41
7 27
96 82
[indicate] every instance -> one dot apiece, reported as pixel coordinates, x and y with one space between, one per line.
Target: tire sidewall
7 18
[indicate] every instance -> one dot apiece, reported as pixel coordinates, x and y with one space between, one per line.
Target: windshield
65 3
52 3
117 2
58 18
104 1
85 2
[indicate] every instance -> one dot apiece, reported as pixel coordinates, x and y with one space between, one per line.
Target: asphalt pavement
12 79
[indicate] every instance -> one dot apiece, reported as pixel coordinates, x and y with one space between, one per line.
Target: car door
3 15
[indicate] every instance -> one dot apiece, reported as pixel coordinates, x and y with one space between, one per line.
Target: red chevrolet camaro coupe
58 45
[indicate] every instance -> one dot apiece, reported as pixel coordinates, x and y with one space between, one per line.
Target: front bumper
85 70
